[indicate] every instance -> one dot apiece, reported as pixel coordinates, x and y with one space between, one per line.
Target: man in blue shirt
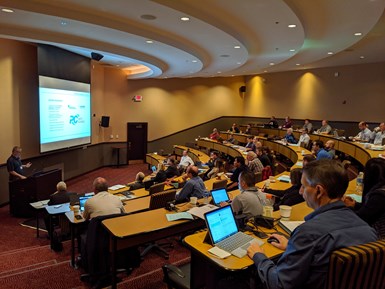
319 151
194 187
305 261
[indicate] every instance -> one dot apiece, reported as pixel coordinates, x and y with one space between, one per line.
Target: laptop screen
221 224
153 168
219 195
82 201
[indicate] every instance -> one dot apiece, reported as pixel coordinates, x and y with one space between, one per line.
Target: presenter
14 165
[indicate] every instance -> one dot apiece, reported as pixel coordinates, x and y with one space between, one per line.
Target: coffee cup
76 209
267 184
193 200
285 212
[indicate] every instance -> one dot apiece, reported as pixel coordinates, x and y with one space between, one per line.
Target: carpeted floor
27 262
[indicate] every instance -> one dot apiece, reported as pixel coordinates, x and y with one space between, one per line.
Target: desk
56 210
38 206
136 229
203 264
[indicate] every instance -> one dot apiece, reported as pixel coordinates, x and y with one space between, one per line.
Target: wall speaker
96 56
242 88
105 122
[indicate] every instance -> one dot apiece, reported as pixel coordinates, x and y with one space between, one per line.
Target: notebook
219 195
224 233
82 201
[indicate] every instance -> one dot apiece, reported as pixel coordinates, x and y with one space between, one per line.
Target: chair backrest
160 199
220 184
383 141
258 177
357 267
156 188
266 173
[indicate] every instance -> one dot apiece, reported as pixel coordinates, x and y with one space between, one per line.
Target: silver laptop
224 233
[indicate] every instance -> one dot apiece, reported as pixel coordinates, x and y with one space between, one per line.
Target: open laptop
153 168
224 232
82 201
219 195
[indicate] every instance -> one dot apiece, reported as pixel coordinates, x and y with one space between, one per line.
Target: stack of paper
200 211
179 216
116 187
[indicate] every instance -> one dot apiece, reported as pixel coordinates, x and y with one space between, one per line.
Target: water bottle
268 206
359 183
206 196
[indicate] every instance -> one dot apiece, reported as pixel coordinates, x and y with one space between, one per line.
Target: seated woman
290 196
372 208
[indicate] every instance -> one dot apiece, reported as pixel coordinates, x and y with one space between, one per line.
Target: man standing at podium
14 165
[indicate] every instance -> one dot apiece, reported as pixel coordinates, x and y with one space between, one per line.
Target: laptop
153 168
224 232
82 201
219 195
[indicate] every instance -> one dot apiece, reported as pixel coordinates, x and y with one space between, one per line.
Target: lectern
32 189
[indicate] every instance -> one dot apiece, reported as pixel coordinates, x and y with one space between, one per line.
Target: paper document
116 187
200 211
299 164
218 252
39 204
284 178
355 197
289 226
179 216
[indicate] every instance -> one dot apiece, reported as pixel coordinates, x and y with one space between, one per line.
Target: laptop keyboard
235 241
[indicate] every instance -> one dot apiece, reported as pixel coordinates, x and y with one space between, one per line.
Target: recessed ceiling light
357 34
219 71
330 53
185 18
292 26
7 10
149 41
237 46
265 71
148 17
297 64
362 57
271 63
194 61
292 50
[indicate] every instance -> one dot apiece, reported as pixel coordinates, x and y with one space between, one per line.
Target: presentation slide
65 113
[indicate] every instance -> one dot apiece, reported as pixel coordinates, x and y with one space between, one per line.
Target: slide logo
74 119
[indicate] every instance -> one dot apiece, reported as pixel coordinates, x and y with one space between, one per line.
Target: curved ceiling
148 39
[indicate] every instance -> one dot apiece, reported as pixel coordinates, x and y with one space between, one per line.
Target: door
136 140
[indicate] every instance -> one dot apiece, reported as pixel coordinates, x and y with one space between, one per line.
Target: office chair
177 277
219 184
266 173
159 200
357 267
258 177
156 188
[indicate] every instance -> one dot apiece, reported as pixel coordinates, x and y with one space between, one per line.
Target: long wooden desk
195 155
207 269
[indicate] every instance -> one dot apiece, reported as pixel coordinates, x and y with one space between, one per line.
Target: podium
32 189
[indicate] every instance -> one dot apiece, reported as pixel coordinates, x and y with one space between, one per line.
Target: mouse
272 239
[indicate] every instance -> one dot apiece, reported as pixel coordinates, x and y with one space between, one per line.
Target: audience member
289 137
215 135
169 173
270 154
194 187
61 196
103 203
248 129
329 147
218 168
325 128
256 142
138 184
185 161
307 159
250 146
234 128
372 208
365 134
263 157
287 123
308 125
304 138
214 157
253 163
290 196
305 261
380 135
250 200
239 165
273 122
231 139
319 151
14 165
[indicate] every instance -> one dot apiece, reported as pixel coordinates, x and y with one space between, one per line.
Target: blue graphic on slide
74 119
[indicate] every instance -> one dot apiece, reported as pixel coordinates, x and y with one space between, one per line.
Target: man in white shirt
103 203
379 136
304 138
185 161
364 134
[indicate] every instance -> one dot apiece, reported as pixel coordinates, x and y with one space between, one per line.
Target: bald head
100 184
193 170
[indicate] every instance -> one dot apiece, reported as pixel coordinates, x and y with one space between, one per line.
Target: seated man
138 184
273 123
364 134
308 125
325 128
287 123
239 164
61 196
289 137
305 261
234 128
329 147
185 161
304 138
250 146
253 163
319 151
380 135
215 135
263 157
250 200
103 203
194 187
